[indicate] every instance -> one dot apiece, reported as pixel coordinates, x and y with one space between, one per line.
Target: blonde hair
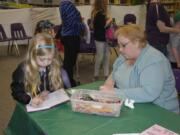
133 32
32 77
99 5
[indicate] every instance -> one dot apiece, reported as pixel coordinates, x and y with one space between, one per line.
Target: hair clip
45 46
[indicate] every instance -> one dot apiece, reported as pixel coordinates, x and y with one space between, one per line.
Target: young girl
39 73
100 21
45 26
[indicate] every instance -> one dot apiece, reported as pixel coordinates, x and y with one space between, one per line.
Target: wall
29 17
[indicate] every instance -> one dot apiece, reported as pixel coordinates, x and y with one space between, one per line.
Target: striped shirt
71 19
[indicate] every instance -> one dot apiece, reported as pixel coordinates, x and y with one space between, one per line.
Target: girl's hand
44 95
36 101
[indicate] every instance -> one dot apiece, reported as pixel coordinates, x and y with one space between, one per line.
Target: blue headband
45 46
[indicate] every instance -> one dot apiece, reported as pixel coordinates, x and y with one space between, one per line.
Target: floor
9 62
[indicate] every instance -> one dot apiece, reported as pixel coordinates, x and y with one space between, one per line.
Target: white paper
129 103
158 130
54 98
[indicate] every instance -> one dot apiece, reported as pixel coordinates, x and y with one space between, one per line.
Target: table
61 120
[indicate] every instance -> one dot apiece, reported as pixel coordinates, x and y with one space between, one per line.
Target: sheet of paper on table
128 134
158 130
153 130
54 98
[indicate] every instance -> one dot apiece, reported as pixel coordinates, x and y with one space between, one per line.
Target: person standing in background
174 44
72 26
100 20
158 26
129 19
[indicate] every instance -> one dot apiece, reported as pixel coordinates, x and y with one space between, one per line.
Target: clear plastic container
96 102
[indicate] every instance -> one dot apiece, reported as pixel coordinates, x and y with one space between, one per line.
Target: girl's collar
42 70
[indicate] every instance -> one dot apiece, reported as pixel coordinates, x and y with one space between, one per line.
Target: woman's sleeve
150 87
17 86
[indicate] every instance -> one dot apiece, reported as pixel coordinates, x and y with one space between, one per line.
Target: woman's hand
36 101
107 88
108 85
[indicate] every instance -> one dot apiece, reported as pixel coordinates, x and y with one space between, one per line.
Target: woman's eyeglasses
123 45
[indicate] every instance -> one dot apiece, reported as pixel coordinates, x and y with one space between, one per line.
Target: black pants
71 49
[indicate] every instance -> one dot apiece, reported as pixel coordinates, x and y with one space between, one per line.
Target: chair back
57 28
88 48
3 36
18 32
57 31
177 79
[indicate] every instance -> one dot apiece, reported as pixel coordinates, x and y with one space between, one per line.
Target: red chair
59 45
57 31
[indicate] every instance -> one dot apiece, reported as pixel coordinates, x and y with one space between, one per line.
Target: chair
18 33
113 44
3 37
57 30
177 78
86 49
59 45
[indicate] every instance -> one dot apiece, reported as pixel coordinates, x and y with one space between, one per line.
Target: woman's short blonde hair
134 33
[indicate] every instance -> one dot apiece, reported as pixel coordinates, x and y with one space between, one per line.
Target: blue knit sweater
71 19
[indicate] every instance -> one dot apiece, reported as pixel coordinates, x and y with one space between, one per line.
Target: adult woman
174 44
100 20
141 72
158 26
72 27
